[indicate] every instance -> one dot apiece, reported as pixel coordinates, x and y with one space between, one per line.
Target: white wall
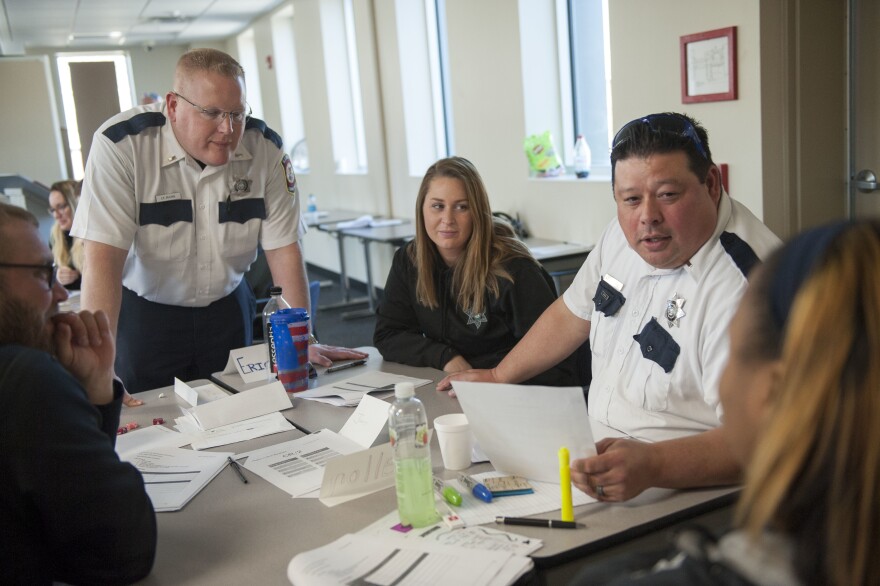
488 103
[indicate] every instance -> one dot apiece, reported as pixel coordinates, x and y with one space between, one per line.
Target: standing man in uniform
176 199
654 297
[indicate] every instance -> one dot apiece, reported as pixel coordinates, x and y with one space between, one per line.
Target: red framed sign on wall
708 66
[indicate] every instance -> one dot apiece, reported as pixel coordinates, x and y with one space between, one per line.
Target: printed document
350 391
366 559
173 476
297 466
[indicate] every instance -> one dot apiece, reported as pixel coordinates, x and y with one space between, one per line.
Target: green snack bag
541 153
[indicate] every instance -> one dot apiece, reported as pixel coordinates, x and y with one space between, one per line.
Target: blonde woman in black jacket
466 290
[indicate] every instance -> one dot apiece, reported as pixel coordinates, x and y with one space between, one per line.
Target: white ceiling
75 24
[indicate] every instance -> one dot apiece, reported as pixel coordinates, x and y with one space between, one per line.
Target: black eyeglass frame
50 268
215 114
655 122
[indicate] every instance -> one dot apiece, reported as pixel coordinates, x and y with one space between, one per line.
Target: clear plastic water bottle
408 428
276 302
582 157
312 206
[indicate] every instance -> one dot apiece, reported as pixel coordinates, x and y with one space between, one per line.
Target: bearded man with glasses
70 511
654 297
177 198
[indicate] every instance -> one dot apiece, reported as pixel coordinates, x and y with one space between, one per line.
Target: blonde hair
206 60
492 243
815 472
64 255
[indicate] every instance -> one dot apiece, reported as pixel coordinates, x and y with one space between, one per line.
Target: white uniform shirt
635 394
144 194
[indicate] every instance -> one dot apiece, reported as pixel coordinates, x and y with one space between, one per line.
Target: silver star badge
241 186
674 311
476 319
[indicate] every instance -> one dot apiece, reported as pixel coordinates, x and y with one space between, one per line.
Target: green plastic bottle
408 428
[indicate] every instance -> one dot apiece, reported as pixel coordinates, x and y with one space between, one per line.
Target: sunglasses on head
671 123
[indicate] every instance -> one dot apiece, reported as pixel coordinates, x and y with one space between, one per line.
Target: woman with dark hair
801 398
67 250
466 289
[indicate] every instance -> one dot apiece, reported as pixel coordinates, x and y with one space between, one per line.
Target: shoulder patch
134 125
739 250
289 174
268 133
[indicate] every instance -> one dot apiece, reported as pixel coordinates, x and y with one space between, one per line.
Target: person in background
67 250
801 396
70 511
466 289
176 199
654 297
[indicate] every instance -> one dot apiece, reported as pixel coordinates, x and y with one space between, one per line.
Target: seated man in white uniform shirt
176 199
654 297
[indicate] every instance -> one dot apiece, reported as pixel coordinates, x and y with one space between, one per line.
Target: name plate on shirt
251 362
167 197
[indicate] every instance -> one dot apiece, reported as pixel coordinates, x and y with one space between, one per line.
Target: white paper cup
455 439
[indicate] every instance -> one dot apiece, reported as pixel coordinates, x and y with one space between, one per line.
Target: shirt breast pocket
166 230
240 222
649 386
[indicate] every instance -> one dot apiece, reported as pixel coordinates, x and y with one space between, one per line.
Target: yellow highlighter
565 485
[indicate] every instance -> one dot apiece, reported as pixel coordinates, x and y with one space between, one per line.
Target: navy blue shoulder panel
134 125
267 132
740 251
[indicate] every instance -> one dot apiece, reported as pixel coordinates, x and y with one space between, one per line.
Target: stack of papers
234 432
173 476
348 393
366 559
234 408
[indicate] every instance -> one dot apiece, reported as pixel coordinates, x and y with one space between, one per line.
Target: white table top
233 533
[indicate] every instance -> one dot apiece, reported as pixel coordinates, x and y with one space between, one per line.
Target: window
284 49
83 78
423 67
247 57
566 75
343 86
591 74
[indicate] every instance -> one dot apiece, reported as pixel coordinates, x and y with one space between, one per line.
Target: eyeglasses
59 209
671 123
49 270
215 114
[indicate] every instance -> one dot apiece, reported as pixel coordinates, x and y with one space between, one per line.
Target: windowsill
595 176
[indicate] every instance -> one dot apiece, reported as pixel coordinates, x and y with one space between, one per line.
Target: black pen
237 469
339 367
552 523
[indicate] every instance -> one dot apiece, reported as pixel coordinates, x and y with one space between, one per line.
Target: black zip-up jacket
410 333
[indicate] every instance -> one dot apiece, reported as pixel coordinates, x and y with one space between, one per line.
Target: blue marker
479 490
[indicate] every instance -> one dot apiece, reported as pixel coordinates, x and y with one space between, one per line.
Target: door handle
865 181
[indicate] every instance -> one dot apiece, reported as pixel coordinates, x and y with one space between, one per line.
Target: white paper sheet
297 466
148 438
368 420
488 538
352 476
250 362
198 395
521 428
173 476
241 406
362 559
349 392
546 498
234 432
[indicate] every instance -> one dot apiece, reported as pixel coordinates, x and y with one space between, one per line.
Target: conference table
234 533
